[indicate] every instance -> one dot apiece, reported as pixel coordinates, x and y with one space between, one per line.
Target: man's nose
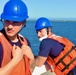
38 34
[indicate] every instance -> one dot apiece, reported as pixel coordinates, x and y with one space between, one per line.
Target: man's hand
27 51
17 53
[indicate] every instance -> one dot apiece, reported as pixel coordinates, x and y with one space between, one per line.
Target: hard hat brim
14 18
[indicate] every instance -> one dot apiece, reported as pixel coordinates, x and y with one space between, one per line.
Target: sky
48 8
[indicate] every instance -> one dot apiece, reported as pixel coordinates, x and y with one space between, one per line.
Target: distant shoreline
56 20
63 20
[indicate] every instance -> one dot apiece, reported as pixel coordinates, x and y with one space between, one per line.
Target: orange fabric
66 60
23 67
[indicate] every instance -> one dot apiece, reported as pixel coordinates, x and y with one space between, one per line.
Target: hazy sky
48 8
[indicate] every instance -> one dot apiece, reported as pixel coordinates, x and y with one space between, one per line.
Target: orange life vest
66 60
23 67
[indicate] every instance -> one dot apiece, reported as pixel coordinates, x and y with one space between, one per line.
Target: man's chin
9 35
40 39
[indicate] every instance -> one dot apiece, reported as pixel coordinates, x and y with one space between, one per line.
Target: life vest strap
73 48
67 66
61 60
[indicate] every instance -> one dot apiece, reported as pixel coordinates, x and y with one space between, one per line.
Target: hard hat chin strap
49 29
23 26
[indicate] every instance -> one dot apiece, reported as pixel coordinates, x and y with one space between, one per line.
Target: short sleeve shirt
50 47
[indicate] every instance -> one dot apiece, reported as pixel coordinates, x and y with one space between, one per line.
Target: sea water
63 28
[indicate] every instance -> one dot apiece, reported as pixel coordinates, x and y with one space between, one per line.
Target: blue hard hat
42 22
15 10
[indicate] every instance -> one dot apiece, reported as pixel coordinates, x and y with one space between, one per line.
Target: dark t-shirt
50 47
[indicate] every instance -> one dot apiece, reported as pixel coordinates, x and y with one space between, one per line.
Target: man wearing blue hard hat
57 53
13 45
